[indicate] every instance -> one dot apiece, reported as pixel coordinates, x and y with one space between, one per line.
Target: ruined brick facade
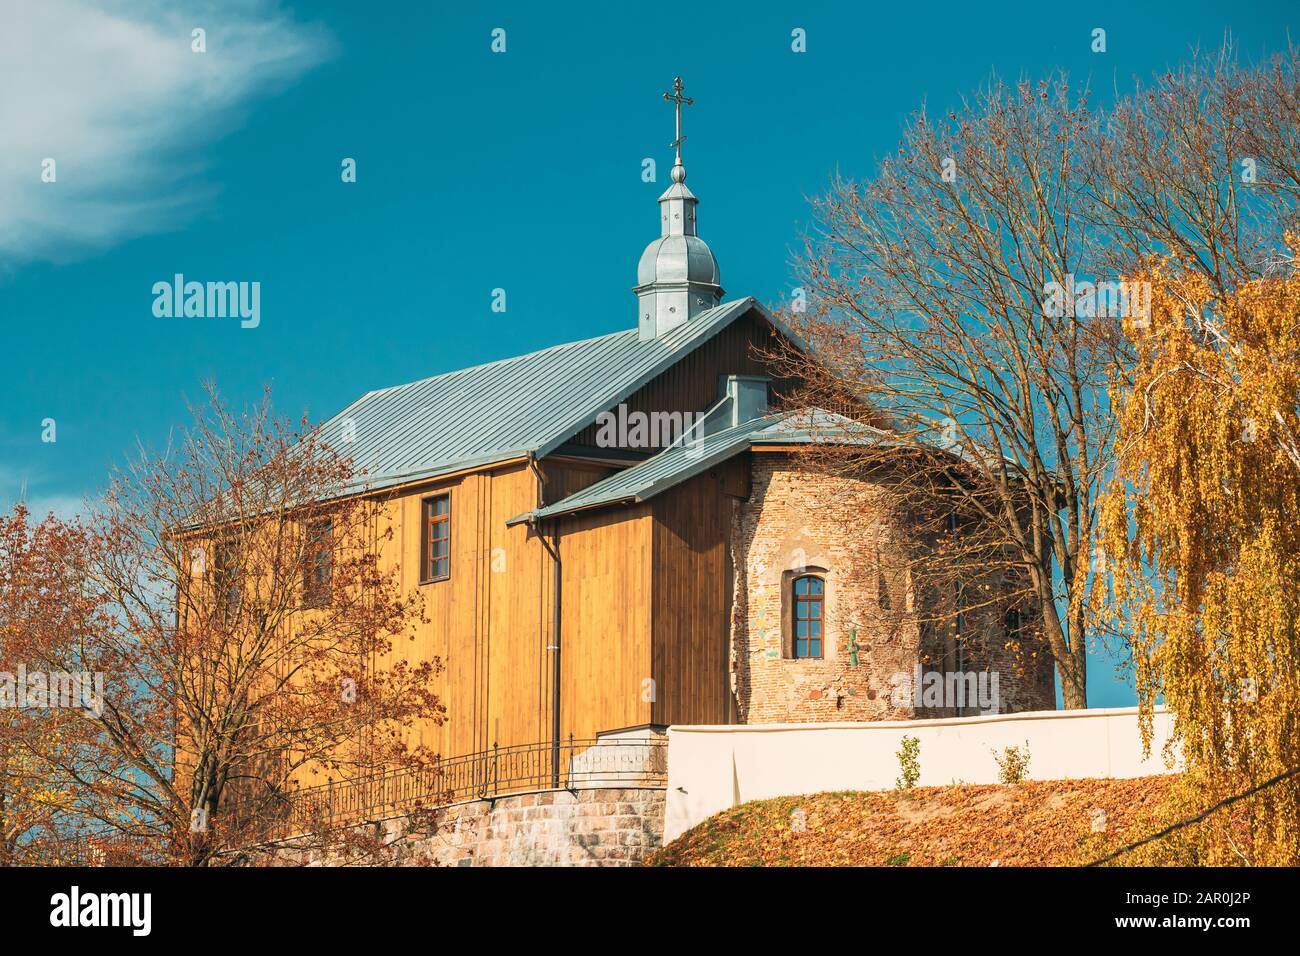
846 530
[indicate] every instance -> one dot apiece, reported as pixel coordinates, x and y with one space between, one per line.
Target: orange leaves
246 644
45 613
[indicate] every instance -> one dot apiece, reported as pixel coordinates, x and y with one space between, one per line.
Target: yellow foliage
1202 532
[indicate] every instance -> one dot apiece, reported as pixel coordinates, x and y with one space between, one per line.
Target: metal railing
573 765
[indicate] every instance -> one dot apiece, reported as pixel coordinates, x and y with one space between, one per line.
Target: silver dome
677 259
677 277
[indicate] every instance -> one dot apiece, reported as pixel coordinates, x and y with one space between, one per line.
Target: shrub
909 762
1013 763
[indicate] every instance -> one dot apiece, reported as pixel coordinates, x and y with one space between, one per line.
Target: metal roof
670 467
513 407
816 425
695 454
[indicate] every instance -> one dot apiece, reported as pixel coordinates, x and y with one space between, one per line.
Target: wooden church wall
567 477
692 596
489 621
605 626
517 599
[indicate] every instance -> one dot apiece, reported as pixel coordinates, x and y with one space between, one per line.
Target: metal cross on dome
677 98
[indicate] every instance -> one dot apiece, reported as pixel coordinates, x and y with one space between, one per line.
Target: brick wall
847 529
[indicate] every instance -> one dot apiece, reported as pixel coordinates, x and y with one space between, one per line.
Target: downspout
554 646
555 659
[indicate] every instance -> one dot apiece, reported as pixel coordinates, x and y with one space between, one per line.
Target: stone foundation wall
605 827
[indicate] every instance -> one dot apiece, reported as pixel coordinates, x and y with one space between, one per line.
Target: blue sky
475 171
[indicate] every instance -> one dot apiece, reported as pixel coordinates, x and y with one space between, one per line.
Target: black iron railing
573 765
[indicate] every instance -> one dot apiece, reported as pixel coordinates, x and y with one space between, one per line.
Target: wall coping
906 724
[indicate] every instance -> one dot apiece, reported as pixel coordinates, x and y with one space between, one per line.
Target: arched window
808 605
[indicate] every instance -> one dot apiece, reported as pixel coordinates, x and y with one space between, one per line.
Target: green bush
909 762
1013 763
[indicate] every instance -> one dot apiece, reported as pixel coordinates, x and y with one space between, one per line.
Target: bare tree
1202 167
973 291
927 288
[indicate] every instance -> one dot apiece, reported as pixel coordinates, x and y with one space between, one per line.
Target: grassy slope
1035 823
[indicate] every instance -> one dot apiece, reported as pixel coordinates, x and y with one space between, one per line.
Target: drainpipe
554 646
555 660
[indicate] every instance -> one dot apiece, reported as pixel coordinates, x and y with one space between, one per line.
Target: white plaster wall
711 768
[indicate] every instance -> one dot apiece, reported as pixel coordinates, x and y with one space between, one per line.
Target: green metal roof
518 406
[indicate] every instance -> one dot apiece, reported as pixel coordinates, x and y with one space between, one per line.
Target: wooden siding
605 626
489 621
564 478
692 596
645 596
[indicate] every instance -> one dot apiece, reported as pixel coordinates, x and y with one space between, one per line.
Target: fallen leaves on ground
1036 823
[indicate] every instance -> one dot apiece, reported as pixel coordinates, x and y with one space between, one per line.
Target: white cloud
111 90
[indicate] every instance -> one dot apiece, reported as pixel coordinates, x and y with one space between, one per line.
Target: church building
626 533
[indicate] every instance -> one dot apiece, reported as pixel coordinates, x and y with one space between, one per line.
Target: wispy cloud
113 93
34 489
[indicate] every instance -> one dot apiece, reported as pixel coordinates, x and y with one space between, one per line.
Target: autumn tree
247 653
1201 165
45 610
972 289
926 289
1203 526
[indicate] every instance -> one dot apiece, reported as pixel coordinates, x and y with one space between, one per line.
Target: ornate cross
677 99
